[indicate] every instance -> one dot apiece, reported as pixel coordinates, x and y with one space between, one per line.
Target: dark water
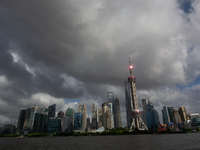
190 141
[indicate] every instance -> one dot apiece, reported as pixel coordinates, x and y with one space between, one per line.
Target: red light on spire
130 67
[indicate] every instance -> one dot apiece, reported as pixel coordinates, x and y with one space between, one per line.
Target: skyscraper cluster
45 121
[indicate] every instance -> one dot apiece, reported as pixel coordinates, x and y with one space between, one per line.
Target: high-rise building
78 121
105 117
193 115
165 116
20 121
70 112
97 116
145 102
170 112
34 109
52 111
110 105
68 123
100 116
64 124
110 99
117 115
82 109
128 104
88 125
53 126
176 117
152 117
8 129
183 113
60 114
94 117
27 116
40 122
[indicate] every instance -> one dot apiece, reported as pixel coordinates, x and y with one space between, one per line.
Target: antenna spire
130 66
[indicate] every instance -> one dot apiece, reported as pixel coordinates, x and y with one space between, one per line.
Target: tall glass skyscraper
117 115
27 116
128 104
20 121
170 111
70 112
145 102
52 111
34 109
152 118
165 116
78 121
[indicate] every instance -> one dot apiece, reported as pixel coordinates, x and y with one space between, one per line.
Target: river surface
190 141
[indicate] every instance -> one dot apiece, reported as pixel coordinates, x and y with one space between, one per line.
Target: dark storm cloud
79 50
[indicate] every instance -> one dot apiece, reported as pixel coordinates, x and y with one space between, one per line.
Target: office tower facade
82 109
145 102
27 117
110 99
40 122
110 105
78 121
34 109
193 115
100 117
170 112
70 112
60 114
97 116
135 112
52 111
183 113
105 117
88 125
176 117
117 115
21 121
54 125
8 129
64 124
94 111
165 116
152 117
128 104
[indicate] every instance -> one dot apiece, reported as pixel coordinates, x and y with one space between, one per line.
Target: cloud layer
52 51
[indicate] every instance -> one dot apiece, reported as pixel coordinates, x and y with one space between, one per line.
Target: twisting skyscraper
135 112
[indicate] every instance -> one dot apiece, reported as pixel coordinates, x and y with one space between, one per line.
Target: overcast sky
74 51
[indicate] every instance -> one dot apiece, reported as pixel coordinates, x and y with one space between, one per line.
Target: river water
190 141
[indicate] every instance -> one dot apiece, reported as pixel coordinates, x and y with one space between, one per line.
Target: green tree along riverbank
119 131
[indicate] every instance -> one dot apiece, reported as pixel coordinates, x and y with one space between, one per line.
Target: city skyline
75 52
